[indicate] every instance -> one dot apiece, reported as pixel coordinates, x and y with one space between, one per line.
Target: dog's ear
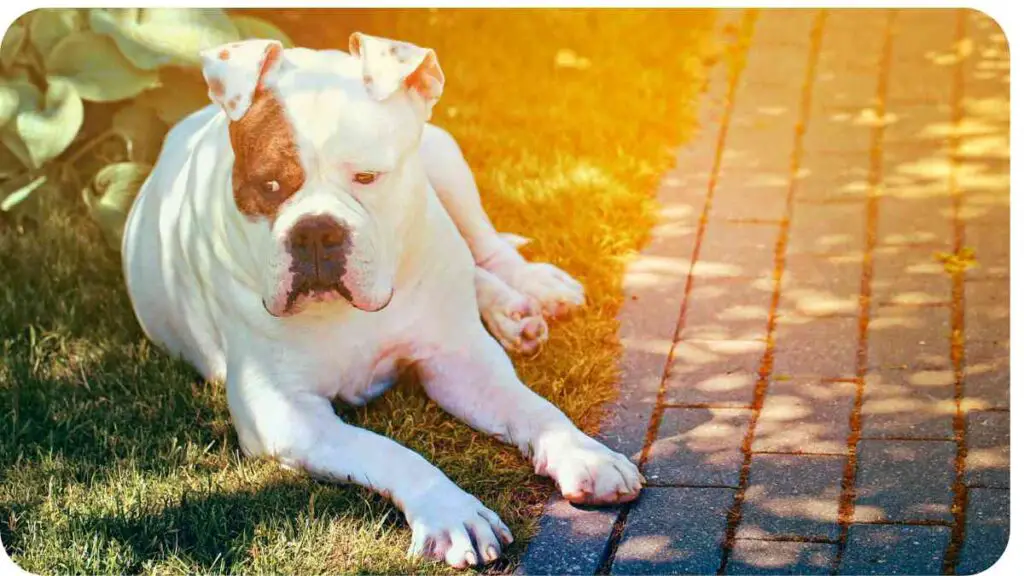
389 65
235 72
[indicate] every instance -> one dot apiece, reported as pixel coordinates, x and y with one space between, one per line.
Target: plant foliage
87 95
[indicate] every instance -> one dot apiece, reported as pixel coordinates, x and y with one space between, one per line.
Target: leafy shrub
87 95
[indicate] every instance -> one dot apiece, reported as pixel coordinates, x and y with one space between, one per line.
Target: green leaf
110 196
8 103
142 130
97 69
49 26
12 44
40 134
182 91
252 27
155 37
19 195
29 98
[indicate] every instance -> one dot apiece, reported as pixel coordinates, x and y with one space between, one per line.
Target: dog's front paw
512 318
556 291
455 527
587 472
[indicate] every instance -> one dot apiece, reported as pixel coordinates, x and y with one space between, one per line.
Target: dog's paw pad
513 319
554 290
590 473
460 531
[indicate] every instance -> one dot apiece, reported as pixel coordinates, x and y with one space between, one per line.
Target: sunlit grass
114 458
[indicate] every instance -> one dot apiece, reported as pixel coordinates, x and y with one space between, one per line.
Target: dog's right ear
390 66
235 72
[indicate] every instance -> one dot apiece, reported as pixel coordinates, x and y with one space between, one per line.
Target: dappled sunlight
819 507
781 556
805 415
648 272
714 359
647 546
708 436
648 345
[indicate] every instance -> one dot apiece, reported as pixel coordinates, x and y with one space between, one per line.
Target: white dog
309 236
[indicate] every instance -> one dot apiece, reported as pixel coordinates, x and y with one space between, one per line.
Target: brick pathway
816 337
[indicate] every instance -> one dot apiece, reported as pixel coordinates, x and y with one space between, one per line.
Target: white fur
200 274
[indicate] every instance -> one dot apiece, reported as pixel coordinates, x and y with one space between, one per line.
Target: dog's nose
318 239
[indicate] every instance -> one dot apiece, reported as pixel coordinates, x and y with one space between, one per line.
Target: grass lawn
116 458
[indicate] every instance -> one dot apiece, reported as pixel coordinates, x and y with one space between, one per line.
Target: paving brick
822 347
988 450
806 416
987 344
772 110
785 26
842 84
571 540
919 76
910 337
841 131
909 277
794 497
827 229
833 177
858 23
919 182
916 204
761 557
910 403
987 319
895 549
983 178
674 531
846 45
901 481
749 249
746 192
777 63
907 222
768 149
988 530
698 446
734 309
821 286
719 372
986 216
918 31
922 131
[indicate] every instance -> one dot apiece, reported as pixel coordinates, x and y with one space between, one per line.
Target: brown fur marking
217 87
265 150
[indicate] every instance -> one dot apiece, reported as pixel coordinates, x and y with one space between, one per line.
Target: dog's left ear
389 66
235 72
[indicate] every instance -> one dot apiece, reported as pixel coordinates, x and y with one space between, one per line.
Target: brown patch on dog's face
267 171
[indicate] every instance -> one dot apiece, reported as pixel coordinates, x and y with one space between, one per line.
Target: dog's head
325 161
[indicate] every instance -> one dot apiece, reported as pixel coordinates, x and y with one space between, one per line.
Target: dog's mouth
306 294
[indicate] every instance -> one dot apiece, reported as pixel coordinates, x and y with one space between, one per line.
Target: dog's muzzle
319 247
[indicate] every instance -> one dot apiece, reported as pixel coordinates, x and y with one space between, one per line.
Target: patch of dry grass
113 458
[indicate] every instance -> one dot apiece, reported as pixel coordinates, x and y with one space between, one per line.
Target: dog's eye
365 178
270 187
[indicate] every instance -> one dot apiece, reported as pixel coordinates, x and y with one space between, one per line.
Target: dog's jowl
309 233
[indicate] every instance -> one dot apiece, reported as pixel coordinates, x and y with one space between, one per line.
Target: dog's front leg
301 430
554 290
476 382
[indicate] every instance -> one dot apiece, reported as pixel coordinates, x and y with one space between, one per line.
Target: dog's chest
364 371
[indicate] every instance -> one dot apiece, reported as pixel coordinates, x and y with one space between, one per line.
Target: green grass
116 458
